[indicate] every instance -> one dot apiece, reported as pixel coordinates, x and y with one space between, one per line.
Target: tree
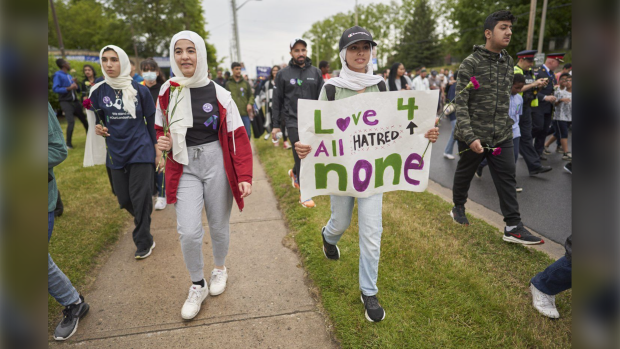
468 18
420 44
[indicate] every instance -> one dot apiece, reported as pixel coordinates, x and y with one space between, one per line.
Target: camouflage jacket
483 113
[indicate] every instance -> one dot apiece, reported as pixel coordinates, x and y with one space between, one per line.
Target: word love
343 123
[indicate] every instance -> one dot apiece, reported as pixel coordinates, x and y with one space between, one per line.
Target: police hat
558 56
355 34
527 54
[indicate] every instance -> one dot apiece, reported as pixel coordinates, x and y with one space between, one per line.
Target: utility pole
135 47
58 34
236 30
530 26
541 35
355 12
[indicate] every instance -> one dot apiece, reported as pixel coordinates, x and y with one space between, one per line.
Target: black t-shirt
154 91
206 112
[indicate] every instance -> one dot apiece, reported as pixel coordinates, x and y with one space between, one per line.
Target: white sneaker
544 303
217 284
448 156
197 295
160 204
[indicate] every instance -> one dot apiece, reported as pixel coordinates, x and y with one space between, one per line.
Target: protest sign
366 144
263 72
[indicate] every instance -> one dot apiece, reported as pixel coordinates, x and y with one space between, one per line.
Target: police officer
530 90
541 115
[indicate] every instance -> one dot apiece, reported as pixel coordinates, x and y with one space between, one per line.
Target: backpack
330 90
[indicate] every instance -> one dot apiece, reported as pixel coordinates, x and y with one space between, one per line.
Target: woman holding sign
357 77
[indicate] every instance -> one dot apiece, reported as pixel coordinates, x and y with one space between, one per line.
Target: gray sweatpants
203 182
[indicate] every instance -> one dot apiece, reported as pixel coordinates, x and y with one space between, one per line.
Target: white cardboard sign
366 144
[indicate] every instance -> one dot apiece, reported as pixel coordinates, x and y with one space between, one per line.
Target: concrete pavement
267 303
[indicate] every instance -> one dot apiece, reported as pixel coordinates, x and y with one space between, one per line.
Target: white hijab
122 82
353 80
183 111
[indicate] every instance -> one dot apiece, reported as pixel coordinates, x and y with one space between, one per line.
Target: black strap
330 90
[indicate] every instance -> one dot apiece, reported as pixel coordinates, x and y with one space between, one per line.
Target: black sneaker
559 149
543 157
520 235
458 215
541 169
71 317
569 167
330 251
547 151
479 172
374 311
141 254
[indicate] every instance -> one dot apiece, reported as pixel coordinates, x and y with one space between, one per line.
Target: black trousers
71 110
502 169
293 136
526 144
540 126
133 186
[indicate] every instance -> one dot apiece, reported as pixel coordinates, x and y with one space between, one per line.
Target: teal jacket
56 153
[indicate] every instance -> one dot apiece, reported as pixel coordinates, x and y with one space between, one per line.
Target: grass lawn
442 285
91 221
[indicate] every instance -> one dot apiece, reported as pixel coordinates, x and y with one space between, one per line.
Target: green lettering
356 119
320 175
317 124
410 107
393 160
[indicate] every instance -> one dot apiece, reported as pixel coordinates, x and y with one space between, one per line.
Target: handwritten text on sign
366 144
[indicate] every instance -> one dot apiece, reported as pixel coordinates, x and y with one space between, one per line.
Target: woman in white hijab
127 110
357 77
209 164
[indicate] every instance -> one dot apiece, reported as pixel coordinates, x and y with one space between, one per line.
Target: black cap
527 54
558 56
355 34
295 41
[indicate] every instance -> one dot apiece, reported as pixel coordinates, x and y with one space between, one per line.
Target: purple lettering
321 149
410 165
369 114
358 184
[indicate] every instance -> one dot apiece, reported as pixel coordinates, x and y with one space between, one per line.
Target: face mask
149 76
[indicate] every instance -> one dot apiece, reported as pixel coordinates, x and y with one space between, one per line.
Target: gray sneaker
71 317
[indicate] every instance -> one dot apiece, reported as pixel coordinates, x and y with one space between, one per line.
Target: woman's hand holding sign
302 149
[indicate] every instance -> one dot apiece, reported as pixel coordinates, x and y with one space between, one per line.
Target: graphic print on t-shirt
212 120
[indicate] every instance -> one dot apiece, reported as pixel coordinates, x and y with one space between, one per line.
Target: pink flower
475 82
497 151
87 103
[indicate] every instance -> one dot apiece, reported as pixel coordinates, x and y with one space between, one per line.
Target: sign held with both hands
366 144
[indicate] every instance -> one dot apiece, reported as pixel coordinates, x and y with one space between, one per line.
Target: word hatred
372 139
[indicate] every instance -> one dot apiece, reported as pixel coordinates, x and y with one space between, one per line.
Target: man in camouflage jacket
483 125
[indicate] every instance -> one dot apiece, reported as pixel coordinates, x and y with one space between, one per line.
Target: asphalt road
545 203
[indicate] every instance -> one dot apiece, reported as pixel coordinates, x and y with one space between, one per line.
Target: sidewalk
137 304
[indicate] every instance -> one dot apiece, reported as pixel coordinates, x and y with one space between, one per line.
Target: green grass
91 221
442 285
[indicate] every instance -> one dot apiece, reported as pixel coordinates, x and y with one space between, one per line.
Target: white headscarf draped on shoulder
183 113
353 80
121 82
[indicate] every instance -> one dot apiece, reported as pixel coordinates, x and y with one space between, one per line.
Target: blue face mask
149 76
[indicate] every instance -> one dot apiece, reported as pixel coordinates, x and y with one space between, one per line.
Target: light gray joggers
203 182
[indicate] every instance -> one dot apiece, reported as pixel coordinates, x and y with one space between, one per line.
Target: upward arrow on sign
411 127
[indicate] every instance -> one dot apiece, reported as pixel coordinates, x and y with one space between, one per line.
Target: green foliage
468 18
324 35
79 74
92 24
419 46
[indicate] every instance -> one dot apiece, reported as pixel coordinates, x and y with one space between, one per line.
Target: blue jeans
58 284
370 229
451 141
516 142
247 123
556 278
159 181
